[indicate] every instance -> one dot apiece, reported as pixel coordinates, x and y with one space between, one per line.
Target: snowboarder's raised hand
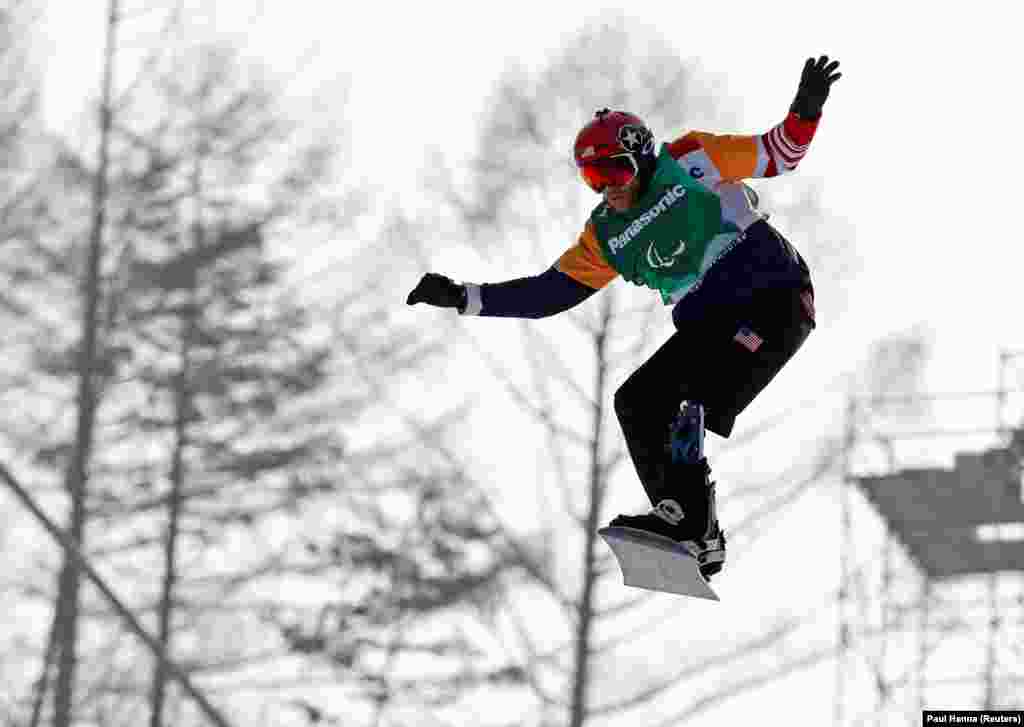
815 81
434 289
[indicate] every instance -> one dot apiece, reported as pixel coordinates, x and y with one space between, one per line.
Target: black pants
762 285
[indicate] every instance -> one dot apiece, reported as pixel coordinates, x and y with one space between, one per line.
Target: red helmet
613 148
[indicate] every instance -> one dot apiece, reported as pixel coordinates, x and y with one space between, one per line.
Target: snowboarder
680 221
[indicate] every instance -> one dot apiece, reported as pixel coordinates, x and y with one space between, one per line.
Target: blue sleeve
538 296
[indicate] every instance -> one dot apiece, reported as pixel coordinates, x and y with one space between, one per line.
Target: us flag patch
748 339
807 298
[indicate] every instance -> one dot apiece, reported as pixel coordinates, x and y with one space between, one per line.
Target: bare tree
227 336
18 131
195 204
101 357
895 368
889 386
25 210
24 214
207 426
24 218
210 426
66 608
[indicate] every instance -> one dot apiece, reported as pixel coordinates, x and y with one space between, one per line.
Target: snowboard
657 564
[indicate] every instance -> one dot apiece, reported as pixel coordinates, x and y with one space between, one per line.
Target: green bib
670 236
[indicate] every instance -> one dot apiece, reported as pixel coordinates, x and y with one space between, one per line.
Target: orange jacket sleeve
585 263
733 157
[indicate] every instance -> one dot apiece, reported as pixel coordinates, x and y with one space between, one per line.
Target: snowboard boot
684 501
687 516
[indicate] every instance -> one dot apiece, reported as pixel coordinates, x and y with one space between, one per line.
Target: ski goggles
613 171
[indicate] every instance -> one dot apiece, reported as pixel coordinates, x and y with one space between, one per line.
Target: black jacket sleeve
538 296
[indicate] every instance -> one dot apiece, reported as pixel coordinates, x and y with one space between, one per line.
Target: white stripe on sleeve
474 300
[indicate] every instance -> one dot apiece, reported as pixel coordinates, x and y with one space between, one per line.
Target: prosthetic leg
683 519
689 478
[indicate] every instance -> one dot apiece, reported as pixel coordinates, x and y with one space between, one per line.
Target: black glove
815 81
439 290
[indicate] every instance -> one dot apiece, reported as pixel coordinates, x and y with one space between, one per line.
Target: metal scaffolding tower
931 604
